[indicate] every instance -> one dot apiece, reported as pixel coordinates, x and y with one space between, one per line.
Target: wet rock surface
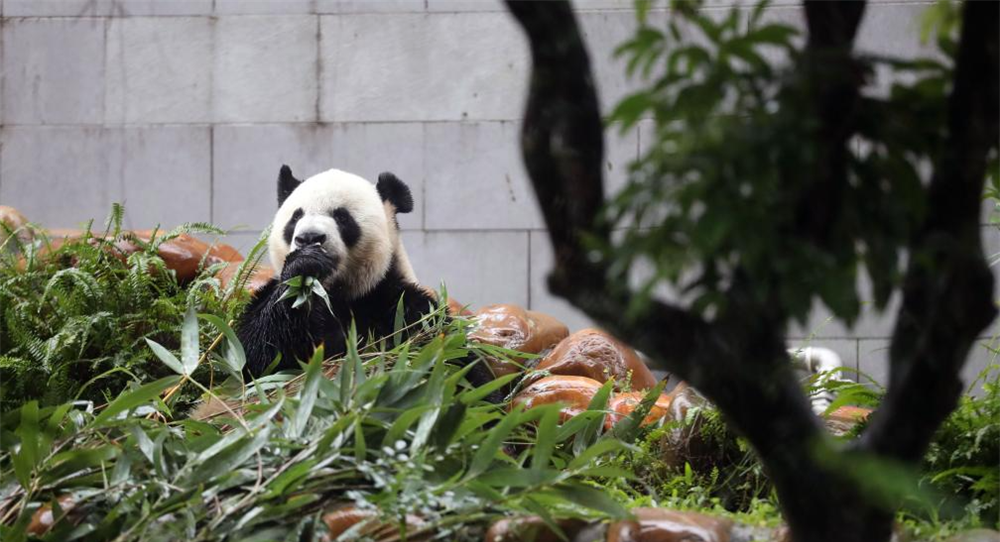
44 518
532 528
683 443
597 355
622 404
257 278
13 222
844 419
648 525
574 392
663 525
366 523
183 254
512 327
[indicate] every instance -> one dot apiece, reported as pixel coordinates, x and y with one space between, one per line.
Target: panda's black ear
395 191
286 184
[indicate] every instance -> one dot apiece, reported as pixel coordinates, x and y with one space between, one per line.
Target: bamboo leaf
478 394
602 447
627 429
518 477
494 442
545 440
189 341
588 497
133 398
233 353
232 456
590 432
318 290
307 395
166 357
398 324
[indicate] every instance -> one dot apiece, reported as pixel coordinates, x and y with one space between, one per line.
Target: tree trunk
739 362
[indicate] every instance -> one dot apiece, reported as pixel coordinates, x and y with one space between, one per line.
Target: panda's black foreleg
269 325
481 374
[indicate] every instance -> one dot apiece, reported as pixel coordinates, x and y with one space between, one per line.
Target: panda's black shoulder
379 305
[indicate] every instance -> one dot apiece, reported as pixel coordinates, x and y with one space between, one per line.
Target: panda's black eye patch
290 227
350 232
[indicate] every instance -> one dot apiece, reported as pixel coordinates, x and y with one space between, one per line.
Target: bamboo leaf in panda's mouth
318 290
302 288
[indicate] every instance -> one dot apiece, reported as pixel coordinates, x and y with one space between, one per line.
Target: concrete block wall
185 109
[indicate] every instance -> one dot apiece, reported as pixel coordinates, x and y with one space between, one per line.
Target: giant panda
340 229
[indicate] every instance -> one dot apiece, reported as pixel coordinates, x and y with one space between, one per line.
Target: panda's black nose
307 238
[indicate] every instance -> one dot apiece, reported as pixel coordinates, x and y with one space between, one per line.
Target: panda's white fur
353 244
363 265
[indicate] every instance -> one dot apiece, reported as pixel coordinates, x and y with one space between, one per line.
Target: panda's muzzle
307 238
310 261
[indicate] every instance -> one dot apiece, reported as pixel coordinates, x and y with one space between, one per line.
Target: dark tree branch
738 361
563 144
831 76
947 295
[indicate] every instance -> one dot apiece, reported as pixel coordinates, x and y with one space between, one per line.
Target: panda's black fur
270 326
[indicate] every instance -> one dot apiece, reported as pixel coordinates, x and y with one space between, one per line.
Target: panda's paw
310 261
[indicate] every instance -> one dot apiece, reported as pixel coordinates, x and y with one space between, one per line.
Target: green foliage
731 180
400 431
961 462
717 470
392 427
75 316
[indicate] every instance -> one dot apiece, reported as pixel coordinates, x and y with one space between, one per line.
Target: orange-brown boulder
595 354
456 308
183 254
222 253
684 443
43 519
513 328
574 392
258 277
663 525
531 528
841 421
340 520
622 404
14 222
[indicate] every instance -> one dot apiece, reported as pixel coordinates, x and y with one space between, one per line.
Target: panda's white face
344 214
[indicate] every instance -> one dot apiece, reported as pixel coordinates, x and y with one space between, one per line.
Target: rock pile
184 254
